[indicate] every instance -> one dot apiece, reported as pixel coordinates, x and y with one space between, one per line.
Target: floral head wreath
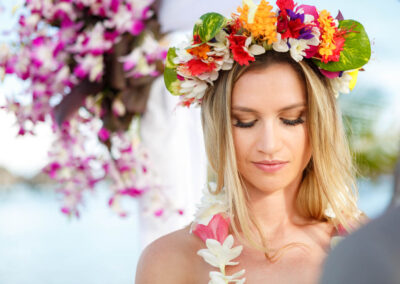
338 47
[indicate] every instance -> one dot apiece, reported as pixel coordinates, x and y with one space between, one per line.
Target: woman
267 84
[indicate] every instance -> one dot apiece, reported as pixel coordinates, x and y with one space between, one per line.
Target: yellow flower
328 30
261 23
353 81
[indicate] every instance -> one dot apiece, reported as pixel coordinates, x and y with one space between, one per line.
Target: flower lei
212 227
83 61
338 47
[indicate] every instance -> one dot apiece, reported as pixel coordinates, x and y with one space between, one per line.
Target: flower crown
338 47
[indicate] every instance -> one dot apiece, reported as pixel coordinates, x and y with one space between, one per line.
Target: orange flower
200 51
263 26
331 39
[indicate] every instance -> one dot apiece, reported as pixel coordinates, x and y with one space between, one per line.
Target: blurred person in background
370 255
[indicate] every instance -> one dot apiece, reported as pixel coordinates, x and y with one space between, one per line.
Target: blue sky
380 18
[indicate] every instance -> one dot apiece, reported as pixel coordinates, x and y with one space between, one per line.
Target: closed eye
241 124
295 122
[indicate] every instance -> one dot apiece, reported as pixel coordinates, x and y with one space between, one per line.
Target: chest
291 267
296 265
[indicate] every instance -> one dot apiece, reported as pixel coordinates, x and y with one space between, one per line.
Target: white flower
118 107
252 10
96 39
32 21
209 77
341 84
92 65
329 212
5 53
193 88
220 48
150 45
182 56
210 205
254 49
315 40
298 48
220 255
281 44
218 277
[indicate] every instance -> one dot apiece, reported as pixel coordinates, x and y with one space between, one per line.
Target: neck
275 211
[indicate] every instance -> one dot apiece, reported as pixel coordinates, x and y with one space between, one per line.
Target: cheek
242 141
300 144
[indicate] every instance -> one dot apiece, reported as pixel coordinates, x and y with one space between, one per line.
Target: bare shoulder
169 259
320 233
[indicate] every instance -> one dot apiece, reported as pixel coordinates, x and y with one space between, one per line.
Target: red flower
196 39
287 28
217 229
187 103
235 26
285 4
237 45
198 67
339 42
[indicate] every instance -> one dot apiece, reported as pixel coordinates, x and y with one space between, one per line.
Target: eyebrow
289 107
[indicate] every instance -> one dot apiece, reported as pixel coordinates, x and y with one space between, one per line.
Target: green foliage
356 51
374 150
209 25
170 76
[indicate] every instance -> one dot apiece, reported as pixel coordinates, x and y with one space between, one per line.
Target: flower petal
256 49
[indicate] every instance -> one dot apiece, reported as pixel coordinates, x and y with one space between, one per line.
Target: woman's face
269 128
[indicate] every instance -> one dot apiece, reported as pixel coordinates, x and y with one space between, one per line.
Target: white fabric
174 140
173 136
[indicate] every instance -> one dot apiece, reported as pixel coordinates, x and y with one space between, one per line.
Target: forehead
270 88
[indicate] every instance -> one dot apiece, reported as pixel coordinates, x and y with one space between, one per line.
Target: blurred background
41 244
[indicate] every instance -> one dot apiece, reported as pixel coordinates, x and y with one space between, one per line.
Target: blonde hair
328 180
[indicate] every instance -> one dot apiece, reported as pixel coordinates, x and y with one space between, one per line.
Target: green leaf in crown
356 52
209 25
170 76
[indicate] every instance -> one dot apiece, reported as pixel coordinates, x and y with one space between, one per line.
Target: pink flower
159 213
104 134
132 192
217 229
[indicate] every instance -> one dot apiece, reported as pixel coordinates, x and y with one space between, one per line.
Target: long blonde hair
328 180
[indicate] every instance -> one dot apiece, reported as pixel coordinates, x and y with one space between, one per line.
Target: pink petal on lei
329 74
310 10
341 230
217 229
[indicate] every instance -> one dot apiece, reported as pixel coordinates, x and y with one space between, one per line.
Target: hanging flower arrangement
88 67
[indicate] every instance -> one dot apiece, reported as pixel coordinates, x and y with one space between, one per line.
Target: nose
269 139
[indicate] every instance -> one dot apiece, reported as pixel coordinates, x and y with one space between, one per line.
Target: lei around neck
211 225
337 46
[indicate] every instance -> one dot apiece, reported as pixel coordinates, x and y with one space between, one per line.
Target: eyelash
285 121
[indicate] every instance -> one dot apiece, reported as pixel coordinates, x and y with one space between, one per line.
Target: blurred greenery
372 130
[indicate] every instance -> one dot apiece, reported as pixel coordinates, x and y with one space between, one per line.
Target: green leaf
356 51
169 62
170 76
209 25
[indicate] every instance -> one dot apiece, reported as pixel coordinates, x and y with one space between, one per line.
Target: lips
270 166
